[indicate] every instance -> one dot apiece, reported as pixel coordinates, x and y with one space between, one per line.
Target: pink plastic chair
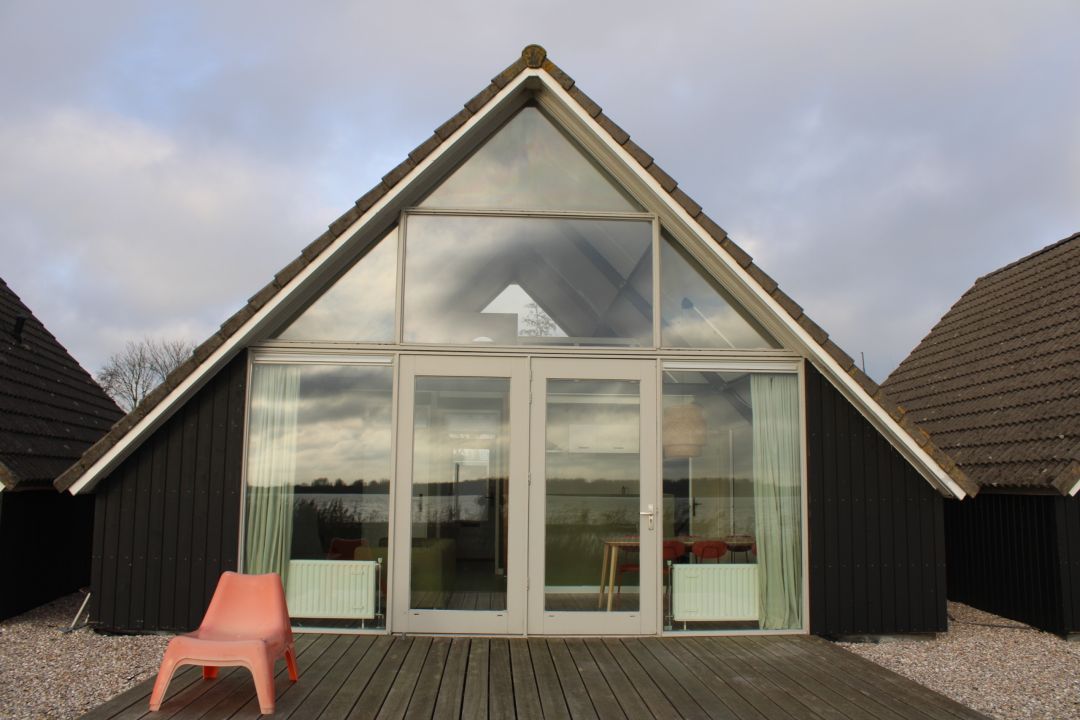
246 625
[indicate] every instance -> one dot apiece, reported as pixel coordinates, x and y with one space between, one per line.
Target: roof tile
587 104
687 202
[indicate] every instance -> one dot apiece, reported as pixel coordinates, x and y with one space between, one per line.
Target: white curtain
275 400
777 501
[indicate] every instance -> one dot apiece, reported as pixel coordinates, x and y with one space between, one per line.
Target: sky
160 162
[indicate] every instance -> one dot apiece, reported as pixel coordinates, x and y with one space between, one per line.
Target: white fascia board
899 438
1075 489
116 454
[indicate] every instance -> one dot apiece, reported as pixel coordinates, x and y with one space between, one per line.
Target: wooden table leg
611 576
603 576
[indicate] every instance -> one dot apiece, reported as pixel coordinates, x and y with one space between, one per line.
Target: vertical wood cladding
877 544
52 533
167 519
1017 556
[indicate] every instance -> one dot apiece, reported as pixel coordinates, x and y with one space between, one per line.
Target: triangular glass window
532 321
696 312
359 306
529 164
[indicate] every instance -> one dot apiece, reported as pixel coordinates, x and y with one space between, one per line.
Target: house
51 410
997 383
524 385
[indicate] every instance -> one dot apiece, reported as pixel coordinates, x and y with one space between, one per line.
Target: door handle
651 514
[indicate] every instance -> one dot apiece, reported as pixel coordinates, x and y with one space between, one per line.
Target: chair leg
161 684
209 672
290 660
262 672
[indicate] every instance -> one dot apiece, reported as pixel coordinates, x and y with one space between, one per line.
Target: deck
350 676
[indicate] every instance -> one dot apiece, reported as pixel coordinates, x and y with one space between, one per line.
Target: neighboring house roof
532 67
51 410
997 380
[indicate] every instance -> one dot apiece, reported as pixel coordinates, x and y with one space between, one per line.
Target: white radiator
714 592
339 589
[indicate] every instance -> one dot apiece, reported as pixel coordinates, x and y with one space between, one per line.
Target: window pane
732 501
696 312
509 281
461 474
359 306
318 490
529 164
592 491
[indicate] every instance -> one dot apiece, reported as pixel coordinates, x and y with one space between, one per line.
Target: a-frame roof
532 72
997 380
51 410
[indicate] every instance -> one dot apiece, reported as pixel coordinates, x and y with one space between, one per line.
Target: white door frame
600 622
503 622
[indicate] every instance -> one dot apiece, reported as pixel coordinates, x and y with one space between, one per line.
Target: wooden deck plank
740 662
753 692
139 696
674 650
500 680
552 699
684 702
474 700
312 676
403 685
600 693
613 652
448 702
324 692
282 683
526 695
371 699
426 692
357 680
573 687
815 678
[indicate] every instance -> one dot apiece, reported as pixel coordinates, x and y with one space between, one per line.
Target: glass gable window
732 501
696 312
318 488
529 164
511 280
359 306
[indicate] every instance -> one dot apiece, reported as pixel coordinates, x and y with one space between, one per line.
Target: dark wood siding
168 518
47 538
1068 528
1003 556
877 543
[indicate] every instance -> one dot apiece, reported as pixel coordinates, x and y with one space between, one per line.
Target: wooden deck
349 676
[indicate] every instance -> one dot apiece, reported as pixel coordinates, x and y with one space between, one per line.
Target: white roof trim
898 437
1075 489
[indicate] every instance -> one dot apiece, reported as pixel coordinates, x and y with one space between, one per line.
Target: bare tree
129 375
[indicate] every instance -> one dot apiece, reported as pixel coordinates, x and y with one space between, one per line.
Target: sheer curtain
275 395
777 501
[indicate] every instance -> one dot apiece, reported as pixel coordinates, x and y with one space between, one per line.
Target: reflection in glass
359 306
318 488
732 501
529 164
509 281
695 311
592 490
461 460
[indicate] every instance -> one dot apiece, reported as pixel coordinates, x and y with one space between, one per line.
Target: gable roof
51 410
533 70
997 380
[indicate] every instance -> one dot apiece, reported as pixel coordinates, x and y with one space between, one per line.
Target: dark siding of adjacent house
167 519
48 539
877 545
1018 556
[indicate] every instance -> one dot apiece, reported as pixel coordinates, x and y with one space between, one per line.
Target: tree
129 375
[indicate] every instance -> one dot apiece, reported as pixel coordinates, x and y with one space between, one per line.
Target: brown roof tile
997 380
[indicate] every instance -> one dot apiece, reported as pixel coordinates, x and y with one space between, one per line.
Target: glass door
593 511
461 501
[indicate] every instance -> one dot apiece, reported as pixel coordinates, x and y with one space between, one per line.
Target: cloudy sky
158 163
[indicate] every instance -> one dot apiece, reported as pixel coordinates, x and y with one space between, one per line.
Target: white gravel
45 673
997 666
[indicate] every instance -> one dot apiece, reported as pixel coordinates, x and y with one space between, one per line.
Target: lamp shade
684 431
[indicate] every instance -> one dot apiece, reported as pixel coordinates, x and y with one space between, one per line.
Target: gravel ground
1009 670
45 673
